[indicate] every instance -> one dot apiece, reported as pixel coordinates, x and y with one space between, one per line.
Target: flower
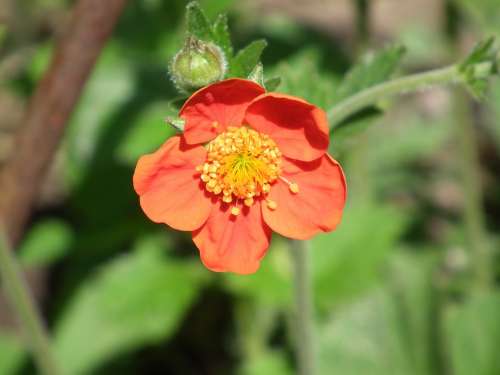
248 163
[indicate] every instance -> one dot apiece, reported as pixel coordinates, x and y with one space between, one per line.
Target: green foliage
301 76
271 286
474 335
148 132
12 354
247 58
387 331
221 35
272 362
374 68
487 55
257 74
197 23
347 262
245 61
135 300
45 243
486 13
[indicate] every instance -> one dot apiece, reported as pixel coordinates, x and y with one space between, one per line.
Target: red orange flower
248 163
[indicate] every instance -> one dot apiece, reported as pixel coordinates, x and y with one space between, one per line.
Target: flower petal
299 129
230 243
317 207
169 187
210 110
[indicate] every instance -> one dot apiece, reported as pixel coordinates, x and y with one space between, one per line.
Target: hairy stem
304 341
21 301
411 83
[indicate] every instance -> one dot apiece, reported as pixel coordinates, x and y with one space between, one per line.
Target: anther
272 205
294 188
248 202
235 211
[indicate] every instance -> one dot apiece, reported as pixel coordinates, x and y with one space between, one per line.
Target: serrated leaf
375 68
247 58
135 300
482 51
197 23
45 243
272 84
257 74
221 36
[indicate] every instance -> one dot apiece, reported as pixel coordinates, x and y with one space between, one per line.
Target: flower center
241 165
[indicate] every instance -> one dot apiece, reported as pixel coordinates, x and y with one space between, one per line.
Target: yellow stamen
235 211
294 188
242 164
272 205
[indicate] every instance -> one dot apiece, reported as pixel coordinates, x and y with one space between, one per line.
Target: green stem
16 290
414 82
304 343
473 211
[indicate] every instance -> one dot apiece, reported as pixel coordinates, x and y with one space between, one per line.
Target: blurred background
407 285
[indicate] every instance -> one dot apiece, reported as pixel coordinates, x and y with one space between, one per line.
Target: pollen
241 164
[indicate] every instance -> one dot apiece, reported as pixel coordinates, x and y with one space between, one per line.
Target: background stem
304 343
22 302
471 184
374 94
410 83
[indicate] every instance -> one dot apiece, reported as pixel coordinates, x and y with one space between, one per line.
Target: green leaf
257 74
483 52
247 58
375 68
12 354
135 300
45 243
474 336
108 91
272 84
197 23
301 76
348 261
389 331
269 362
271 286
485 12
221 36
148 132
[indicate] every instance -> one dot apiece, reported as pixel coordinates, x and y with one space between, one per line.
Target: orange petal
169 187
316 207
210 110
230 243
299 129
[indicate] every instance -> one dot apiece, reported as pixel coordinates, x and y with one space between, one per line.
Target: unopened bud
197 64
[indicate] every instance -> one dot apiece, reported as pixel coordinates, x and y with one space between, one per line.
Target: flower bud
197 64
